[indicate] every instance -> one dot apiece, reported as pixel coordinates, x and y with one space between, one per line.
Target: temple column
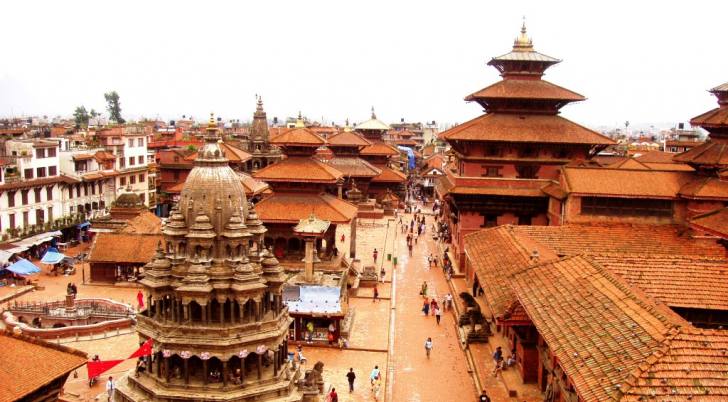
149 305
158 309
208 307
275 363
259 361
240 312
186 312
167 369
159 364
204 313
242 372
224 373
222 313
187 371
204 372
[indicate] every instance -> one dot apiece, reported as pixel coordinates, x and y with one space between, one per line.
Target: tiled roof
677 281
379 149
655 157
713 118
252 185
708 153
597 326
298 136
144 223
690 365
504 191
630 163
300 169
525 89
372 124
495 254
232 153
624 182
123 248
554 190
348 138
575 239
405 142
706 187
38 182
525 128
31 363
390 175
670 167
714 222
174 188
82 157
292 207
354 167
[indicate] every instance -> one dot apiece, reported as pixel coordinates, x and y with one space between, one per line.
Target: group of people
501 363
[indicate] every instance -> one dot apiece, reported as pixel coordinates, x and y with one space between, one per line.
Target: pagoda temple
303 185
358 173
381 155
214 300
504 159
258 143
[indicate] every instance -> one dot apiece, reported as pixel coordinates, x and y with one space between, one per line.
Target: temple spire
299 121
523 43
374 116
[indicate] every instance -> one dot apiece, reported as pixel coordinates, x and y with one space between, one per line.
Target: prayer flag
96 368
144 350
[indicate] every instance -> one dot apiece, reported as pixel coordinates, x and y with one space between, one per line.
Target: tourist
350 376
141 366
382 272
409 247
448 300
140 300
498 369
437 314
498 360
332 333
332 396
110 386
484 397
376 388
433 305
428 347
511 360
309 332
423 289
374 255
426 307
374 375
301 357
376 294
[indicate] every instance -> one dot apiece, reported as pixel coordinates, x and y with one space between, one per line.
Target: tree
114 107
81 116
94 114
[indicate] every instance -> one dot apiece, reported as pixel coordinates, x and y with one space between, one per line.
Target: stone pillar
340 188
208 310
259 361
308 260
222 312
275 363
240 311
187 371
224 373
186 311
204 372
159 364
158 309
167 369
149 305
242 372
352 239
204 313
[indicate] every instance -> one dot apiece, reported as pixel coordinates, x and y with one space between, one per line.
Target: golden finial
523 43
299 121
347 127
212 125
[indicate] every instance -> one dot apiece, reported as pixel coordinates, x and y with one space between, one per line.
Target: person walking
426 307
428 346
110 386
374 376
376 294
433 305
484 397
498 360
374 255
332 396
423 289
438 314
140 300
350 377
409 247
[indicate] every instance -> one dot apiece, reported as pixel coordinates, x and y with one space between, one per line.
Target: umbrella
23 267
52 256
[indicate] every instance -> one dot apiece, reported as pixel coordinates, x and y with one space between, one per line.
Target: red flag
96 368
144 350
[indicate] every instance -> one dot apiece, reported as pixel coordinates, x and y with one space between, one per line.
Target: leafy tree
114 107
81 116
93 113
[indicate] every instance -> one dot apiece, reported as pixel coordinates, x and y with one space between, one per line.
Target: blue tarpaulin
410 156
83 225
52 256
23 267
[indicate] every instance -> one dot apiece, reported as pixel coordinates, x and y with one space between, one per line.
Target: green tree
114 107
93 113
81 116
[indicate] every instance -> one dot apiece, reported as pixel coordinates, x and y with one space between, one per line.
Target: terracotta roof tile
525 128
252 185
505 191
31 363
304 169
620 238
292 207
38 182
629 163
677 281
708 153
348 138
232 153
624 182
690 365
123 248
714 222
717 117
554 190
298 137
670 167
525 89
597 326
354 167
379 149
706 188
144 223
390 175
656 157
495 254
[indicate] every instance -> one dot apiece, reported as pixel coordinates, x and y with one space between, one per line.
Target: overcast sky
643 61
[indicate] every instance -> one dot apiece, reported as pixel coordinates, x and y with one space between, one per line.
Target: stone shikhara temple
214 302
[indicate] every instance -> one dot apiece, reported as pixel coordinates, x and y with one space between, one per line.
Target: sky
647 62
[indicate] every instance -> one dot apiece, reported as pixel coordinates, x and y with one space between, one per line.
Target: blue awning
23 267
52 256
83 225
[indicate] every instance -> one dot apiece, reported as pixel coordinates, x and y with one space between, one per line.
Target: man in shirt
350 376
374 375
110 388
484 397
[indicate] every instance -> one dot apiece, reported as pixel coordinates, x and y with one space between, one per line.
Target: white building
129 147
